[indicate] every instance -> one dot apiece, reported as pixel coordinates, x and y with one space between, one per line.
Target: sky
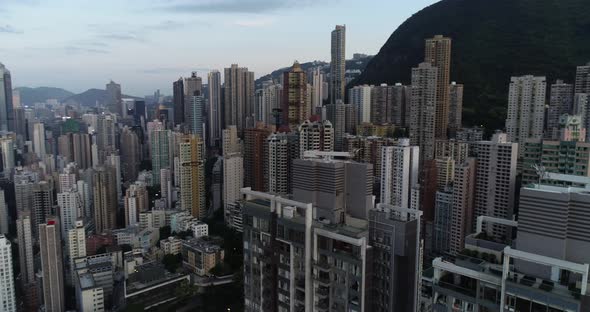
147 44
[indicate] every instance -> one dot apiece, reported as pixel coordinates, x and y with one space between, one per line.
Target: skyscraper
136 201
7 290
70 209
399 174
317 99
231 142
39 140
381 104
316 136
114 100
526 109
283 148
25 248
215 112
438 54
6 107
76 244
295 105
582 79
130 154
233 182
255 158
423 109
269 98
336 114
455 108
81 150
4 215
194 119
161 151
495 180
560 103
463 204
360 98
338 64
238 97
42 198
178 100
192 176
52 266
105 199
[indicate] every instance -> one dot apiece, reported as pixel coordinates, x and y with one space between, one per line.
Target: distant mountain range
90 98
492 41
30 96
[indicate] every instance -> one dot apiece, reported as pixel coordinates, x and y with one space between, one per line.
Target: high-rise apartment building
367 149
136 201
192 176
268 99
76 247
114 160
295 105
215 112
178 100
4 215
283 148
192 86
52 266
39 140
495 183
336 114
582 84
255 158
338 64
316 136
463 204
7 290
233 182
455 108
438 53
42 203
456 150
105 199
25 248
560 103
230 141
394 235
130 154
238 97
161 151
6 107
423 107
114 99
317 99
526 109
194 119
399 174
70 209
360 98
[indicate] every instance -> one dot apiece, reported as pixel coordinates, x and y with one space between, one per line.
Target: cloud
165 25
171 70
8 29
260 22
234 6
84 50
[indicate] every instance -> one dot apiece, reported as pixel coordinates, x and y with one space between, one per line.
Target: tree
165 232
172 262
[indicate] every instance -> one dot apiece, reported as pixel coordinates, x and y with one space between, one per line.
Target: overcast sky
146 44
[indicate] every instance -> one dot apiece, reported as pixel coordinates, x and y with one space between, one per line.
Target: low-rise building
89 295
200 256
171 245
151 285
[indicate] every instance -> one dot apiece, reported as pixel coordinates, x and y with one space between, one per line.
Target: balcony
542 291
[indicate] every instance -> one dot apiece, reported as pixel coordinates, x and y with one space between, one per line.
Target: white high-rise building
526 109
7 292
136 201
317 99
423 109
399 174
360 98
233 182
25 247
67 179
70 208
495 183
7 147
215 118
39 140
76 246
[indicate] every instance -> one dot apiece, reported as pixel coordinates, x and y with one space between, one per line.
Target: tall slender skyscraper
39 140
215 113
438 53
178 99
7 292
360 98
115 101
130 154
423 109
582 79
25 248
233 182
317 99
560 103
255 164
161 151
399 174
6 107
192 176
526 109
455 108
105 199
195 120
42 198
238 97
283 148
52 266
338 64
294 97
76 246
70 209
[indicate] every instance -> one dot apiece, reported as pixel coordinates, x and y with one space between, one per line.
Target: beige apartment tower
438 53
